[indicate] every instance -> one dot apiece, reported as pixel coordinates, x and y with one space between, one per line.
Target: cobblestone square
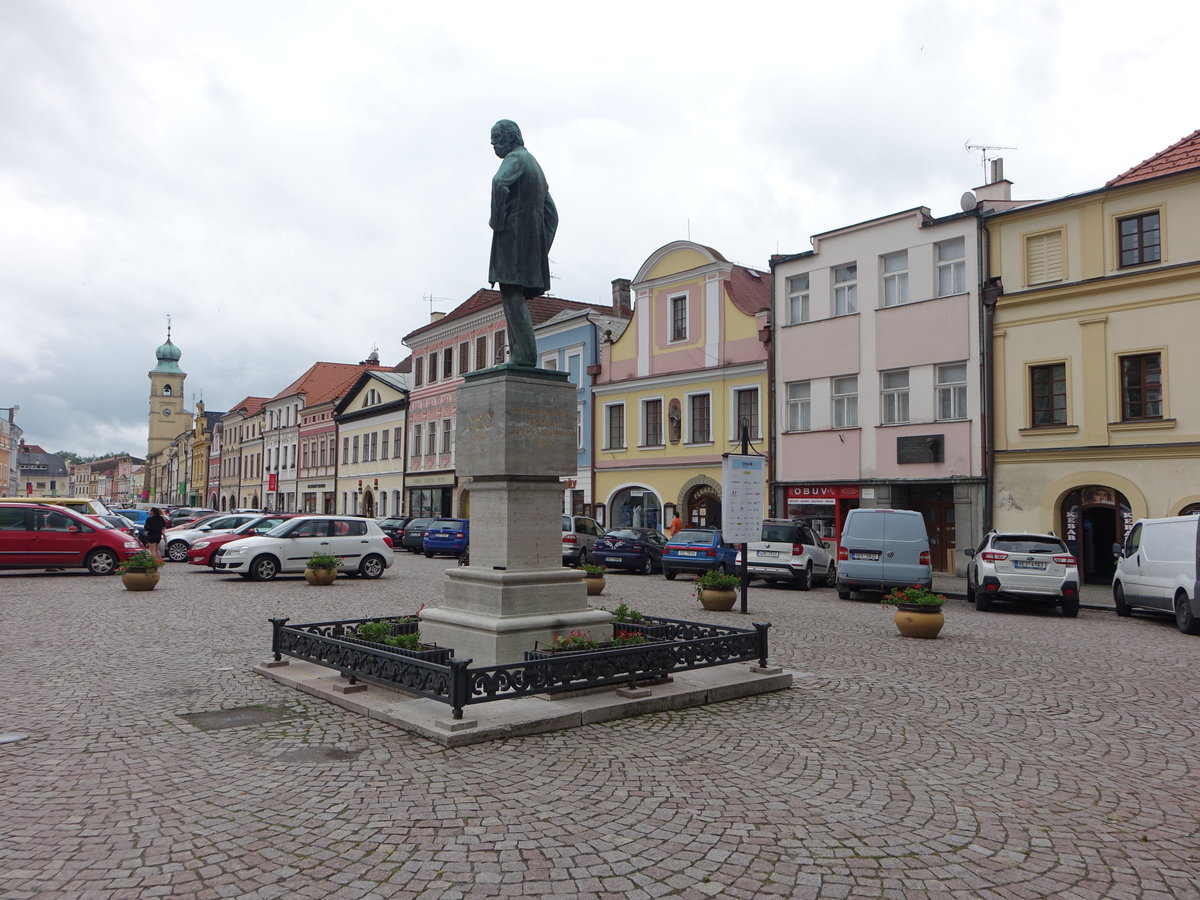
1019 755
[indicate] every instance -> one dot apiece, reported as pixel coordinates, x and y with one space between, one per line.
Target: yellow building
673 387
1093 357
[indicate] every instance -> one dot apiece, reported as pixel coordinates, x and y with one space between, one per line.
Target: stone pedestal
515 440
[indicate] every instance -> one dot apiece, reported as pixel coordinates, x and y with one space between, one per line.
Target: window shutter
1044 258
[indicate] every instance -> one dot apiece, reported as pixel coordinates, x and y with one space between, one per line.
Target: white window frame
893 397
799 306
575 369
952 270
735 406
608 439
691 439
447 436
417 446
953 392
550 362
843 402
431 439
845 289
643 435
798 405
681 299
579 410
1045 257
894 270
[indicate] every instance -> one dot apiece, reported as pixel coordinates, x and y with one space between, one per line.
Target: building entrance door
704 508
936 503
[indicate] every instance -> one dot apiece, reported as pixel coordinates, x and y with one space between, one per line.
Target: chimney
997 169
620 293
434 316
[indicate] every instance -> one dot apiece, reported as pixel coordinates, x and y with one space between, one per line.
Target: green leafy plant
915 596
626 614
576 640
592 570
142 561
323 561
712 580
383 632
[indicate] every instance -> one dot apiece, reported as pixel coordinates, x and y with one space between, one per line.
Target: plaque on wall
920 448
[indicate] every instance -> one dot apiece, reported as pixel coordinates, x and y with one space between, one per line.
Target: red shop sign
823 492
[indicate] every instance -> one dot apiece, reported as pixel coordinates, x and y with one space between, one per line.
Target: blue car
138 517
696 551
449 537
637 549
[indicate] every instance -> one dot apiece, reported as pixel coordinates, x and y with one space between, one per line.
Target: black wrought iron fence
678 645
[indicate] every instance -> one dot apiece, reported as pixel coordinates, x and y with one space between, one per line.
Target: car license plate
864 554
770 553
687 552
1029 564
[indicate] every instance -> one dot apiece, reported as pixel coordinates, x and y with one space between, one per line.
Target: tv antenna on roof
984 158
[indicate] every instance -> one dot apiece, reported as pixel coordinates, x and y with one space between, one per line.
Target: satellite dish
967 201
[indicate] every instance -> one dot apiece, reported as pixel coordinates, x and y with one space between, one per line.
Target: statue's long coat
523 222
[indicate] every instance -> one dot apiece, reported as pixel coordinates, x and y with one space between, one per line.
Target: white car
1023 567
790 551
360 544
180 539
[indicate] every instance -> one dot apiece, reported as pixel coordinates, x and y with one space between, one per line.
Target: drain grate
317 754
237 718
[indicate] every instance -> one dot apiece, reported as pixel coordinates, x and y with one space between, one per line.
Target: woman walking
153 529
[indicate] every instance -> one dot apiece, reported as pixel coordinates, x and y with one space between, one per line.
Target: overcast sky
290 181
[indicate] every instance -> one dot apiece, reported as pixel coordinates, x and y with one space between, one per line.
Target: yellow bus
89 506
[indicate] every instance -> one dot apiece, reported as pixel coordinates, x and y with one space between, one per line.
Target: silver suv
579 534
790 551
1023 567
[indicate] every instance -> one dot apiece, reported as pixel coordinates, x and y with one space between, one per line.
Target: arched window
166 390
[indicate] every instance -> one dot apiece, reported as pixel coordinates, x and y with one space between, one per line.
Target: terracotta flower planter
713 598
320 576
595 585
139 581
919 621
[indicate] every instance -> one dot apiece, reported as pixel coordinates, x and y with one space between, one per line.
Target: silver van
881 549
1156 569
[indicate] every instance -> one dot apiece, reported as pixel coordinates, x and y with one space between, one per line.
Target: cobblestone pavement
1019 755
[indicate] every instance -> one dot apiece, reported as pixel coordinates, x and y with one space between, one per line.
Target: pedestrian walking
154 528
676 524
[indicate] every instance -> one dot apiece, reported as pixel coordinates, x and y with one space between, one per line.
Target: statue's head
506 135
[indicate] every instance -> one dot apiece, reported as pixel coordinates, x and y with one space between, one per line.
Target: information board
742 506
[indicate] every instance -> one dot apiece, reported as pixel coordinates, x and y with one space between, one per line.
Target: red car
200 553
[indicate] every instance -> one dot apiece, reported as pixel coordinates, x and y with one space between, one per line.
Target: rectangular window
700 418
1141 386
374 446
1044 258
447 362
431 435
345 451
951 391
396 443
614 437
304 462
464 357
383 454
446 432
679 323
1048 393
416 442
501 349
747 412
354 449
481 352
652 431
550 362
574 367
1141 239
895 278
321 447
578 427
952 267
797 299
418 372
433 363
799 409
845 401
845 289
894 396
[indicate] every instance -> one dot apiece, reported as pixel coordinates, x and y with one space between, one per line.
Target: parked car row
45 536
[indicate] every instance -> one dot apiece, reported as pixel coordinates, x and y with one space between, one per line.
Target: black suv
414 535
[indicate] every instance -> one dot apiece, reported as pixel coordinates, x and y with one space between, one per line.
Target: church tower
167 415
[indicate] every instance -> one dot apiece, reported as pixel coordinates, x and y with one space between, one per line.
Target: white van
1156 569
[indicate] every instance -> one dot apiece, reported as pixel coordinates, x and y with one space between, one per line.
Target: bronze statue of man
523 223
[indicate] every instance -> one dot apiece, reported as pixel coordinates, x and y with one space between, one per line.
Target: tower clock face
166 412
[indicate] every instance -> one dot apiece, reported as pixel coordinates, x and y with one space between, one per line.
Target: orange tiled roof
540 309
749 289
249 406
326 381
1179 157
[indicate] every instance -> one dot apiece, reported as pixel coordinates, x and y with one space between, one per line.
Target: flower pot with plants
321 568
140 571
716 590
400 635
630 621
580 642
593 578
918 611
